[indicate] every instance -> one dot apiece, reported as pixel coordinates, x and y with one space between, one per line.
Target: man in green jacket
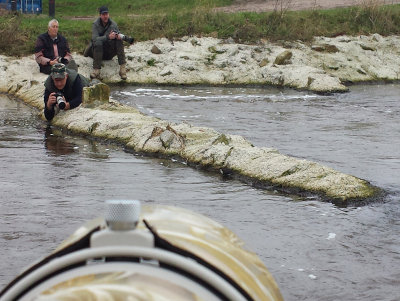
63 90
106 43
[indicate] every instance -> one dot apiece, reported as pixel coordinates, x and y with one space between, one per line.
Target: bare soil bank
281 5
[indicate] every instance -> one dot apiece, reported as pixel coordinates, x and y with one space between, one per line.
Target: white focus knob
122 215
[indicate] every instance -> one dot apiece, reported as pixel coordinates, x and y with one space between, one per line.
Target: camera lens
60 102
61 105
128 39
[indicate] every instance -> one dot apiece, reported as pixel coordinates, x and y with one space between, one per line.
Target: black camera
62 60
125 38
60 100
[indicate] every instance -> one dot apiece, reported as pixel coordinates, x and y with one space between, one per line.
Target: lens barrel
61 102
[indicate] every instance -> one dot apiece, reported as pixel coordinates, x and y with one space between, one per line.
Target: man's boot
95 74
122 71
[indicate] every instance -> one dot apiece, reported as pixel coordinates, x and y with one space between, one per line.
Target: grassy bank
145 20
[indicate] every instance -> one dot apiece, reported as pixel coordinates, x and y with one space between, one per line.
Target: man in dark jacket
63 90
106 43
52 48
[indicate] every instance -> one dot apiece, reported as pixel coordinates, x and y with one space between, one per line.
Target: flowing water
52 182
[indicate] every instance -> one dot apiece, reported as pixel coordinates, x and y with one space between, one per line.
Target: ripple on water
315 251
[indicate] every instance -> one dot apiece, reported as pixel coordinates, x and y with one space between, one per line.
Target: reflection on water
52 182
56 145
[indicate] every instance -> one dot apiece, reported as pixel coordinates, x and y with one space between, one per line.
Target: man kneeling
63 90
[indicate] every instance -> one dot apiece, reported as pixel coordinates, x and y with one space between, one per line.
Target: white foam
331 236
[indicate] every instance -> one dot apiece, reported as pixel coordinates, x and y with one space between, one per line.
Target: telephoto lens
125 38
128 39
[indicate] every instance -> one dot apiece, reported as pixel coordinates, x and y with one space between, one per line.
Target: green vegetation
151 62
145 20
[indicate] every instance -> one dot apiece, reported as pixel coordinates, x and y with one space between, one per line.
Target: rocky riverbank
326 65
322 67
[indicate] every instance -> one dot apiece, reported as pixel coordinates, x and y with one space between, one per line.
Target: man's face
104 17
53 29
59 83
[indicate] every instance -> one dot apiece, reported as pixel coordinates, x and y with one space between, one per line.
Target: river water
52 182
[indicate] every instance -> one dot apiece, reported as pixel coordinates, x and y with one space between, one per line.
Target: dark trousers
45 69
106 51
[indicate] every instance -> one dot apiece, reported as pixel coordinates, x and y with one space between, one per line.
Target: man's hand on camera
113 35
51 101
52 62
